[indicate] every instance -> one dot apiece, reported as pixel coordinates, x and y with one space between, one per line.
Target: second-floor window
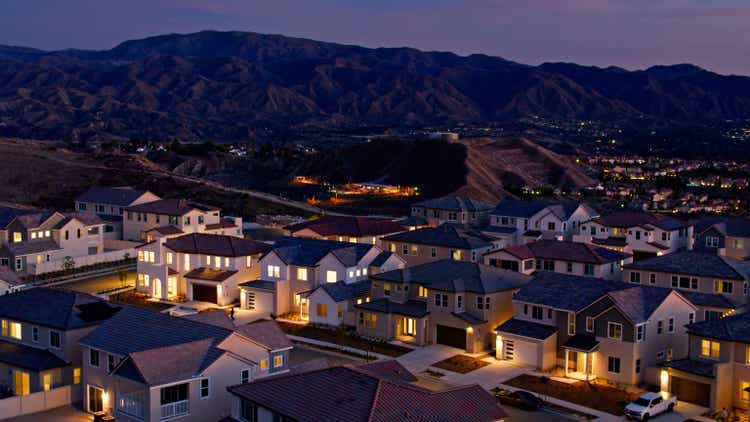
331 276
94 358
302 274
245 376
433 252
537 312
459 302
551 225
110 363
670 325
635 277
441 300
274 271
422 291
571 323
569 267
54 339
640 332
710 349
721 286
170 258
685 282
712 242
278 361
588 269
614 330
35 334
205 388
590 324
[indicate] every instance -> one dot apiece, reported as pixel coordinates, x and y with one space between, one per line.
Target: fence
81 261
39 402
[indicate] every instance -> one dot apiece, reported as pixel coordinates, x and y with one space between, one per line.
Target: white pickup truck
649 405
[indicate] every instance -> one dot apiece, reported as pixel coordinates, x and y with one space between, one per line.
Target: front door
410 327
157 288
95 399
21 386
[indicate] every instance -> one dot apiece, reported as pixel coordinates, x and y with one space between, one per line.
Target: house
452 209
346 228
562 257
108 204
521 221
716 371
146 366
41 327
198 266
722 281
41 241
356 394
9 281
187 216
641 234
724 235
595 328
295 266
432 244
333 303
450 302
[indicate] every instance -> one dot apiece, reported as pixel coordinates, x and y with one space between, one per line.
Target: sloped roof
215 317
168 364
173 207
210 274
389 369
413 308
457 276
447 235
729 226
381 259
35 219
564 291
121 196
334 225
7 214
565 251
215 244
341 291
32 247
639 302
697 263
731 328
307 252
528 329
455 203
412 221
520 208
265 332
88 218
28 357
628 219
7 275
56 308
167 230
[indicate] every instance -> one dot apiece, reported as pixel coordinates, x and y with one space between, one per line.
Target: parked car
521 399
649 405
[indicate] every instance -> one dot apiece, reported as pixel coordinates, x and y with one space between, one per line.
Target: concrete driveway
682 411
421 358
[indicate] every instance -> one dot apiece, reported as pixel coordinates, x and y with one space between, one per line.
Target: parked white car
649 405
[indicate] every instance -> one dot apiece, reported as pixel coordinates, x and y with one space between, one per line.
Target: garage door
522 352
691 391
450 336
204 293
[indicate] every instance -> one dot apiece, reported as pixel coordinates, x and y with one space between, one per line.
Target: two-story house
717 285
641 234
146 366
41 327
562 257
519 221
716 371
346 228
42 241
595 328
108 204
452 209
726 236
186 216
432 244
295 266
198 266
450 302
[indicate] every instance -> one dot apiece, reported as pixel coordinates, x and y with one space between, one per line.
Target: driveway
682 411
421 358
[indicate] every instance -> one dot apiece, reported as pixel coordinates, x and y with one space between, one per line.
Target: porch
579 356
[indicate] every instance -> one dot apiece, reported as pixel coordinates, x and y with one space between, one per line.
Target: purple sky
714 34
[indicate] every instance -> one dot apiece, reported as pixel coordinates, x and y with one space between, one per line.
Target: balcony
174 409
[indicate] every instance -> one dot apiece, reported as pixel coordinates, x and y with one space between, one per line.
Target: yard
461 363
140 300
342 338
594 395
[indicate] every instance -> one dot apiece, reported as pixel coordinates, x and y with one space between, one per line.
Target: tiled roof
412 221
32 247
167 230
56 308
27 357
639 302
529 329
389 369
457 276
173 207
690 262
610 241
333 225
121 196
381 259
731 328
714 300
34 220
341 291
88 218
210 274
215 317
455 203
519 208
447 235
413 308
168 364
566 251
692 366
345 394
307 252
265 332
566 292
215 244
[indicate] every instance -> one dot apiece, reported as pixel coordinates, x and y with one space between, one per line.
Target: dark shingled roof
468 317
564 291
412 221
28 357
692 366
528 329
121 196
690 262
334 225
639 302
714 300
7 214
341 291
628 219
447 235
457 276
581 342
731 328
32 247
35 219
307 252
519 208
214 317
210 274
346 394
174 207
610 241
224 223
566 251
56 308
168 364
260 284
266 333
729 226
88 218
215 244
455 203
389 369
381 258
413 308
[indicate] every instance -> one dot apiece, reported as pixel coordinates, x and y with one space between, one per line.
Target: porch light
664 381
499 347
105 399
470 330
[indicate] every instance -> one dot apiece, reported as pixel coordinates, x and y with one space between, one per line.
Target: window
339 311
551 225
205 388
392 248
15 330
487 302
248 411
670 325
712 315
640 332
174 394
110 363
321 310
571 323
685 282
405 250
274 271
35 334
331 276
76 375
368 319
187 262
710 349
635 277
691 317
569 267
590 324
669 354
264 364
187 221
441 300
459 302
170 258
712 242
244 376
302 274
723 286
278 361
660 327
422 291
414 250
94 358
549 265
614 330
613 364
637 366
528 264
17 237
744 394
387 289
217 262
456 254
660 355
54 339
652 278
588 269
537 312
480 303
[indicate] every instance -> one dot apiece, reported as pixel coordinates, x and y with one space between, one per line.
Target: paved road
99 283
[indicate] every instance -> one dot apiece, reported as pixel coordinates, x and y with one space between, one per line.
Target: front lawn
460 363
139 299
342 338
594 395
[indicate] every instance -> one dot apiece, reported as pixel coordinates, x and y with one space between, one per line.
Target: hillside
234 85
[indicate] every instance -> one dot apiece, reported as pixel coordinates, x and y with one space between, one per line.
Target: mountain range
230 85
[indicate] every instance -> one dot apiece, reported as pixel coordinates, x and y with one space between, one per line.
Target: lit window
710 349
226 262
15 330
264 364
590 324
249 262
278 361
302 274
331 276
744 393
571 323
33 235
217 262
76 375
321 309
274 271
187 262
17 237
614 330
170 258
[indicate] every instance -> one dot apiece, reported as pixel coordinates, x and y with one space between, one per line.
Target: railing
170 410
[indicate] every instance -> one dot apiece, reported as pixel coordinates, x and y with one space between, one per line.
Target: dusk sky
714 34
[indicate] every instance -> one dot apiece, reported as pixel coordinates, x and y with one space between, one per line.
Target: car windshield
640 401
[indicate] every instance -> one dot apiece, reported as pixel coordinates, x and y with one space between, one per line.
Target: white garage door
257 301
522 352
